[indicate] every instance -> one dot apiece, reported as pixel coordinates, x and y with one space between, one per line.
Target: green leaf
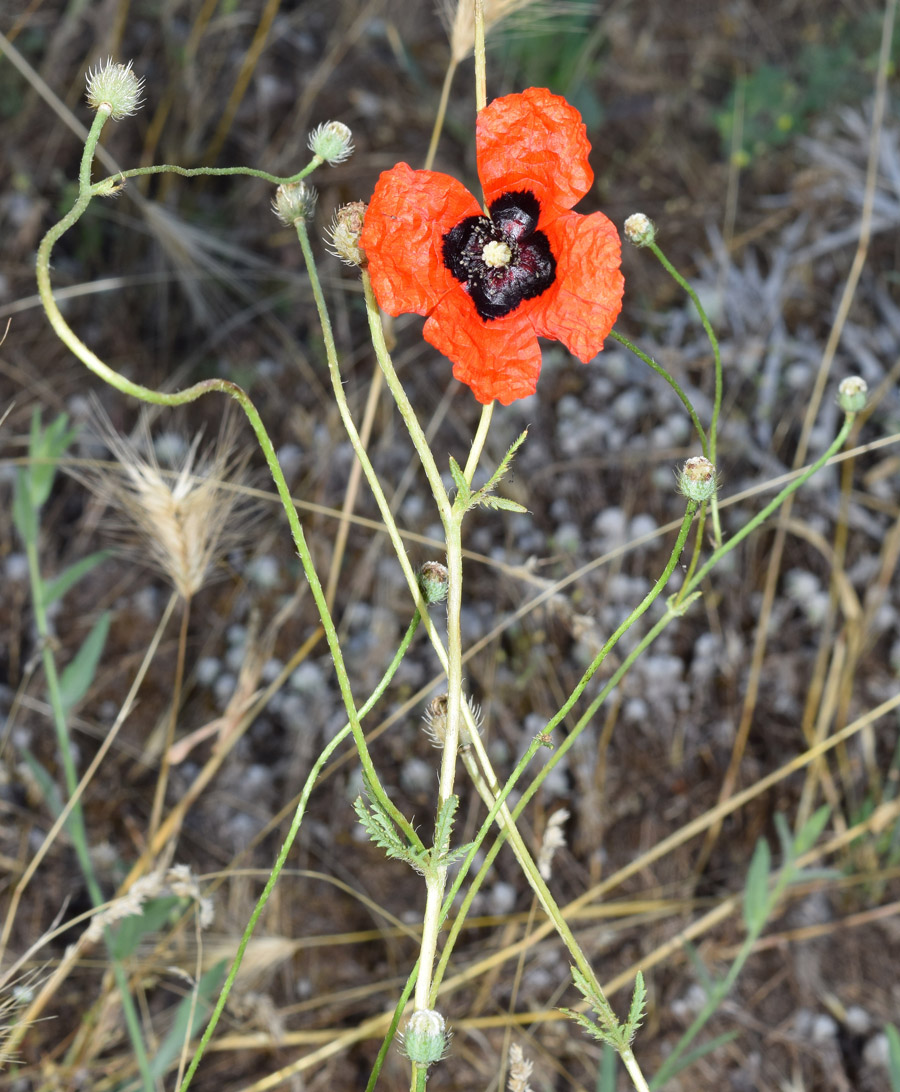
76 679
184 1027
707 982
130 931
68 578
668 1071
811 830
45 449
606 1078
502 502
381 830
443 826
24 514
636 1011
459 479
893 1038
503 468
45 782
756 893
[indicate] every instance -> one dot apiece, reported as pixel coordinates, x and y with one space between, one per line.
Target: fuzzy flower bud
115 88
426 1037
344 233
332 142
640 229
434 581
436 721
697 480
852 394
294 201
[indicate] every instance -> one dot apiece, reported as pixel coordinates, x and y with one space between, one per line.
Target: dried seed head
639 229
294 201
331 142
852 394
426 1038
459 18
697 480
344 233
114 88
554 839
186 518
434 581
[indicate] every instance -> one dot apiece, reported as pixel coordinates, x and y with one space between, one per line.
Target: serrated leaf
68 578
587 1024
76 679
443 826
451 856
756 892
459 480
503 468
502 502
381 830
597 1001
636 1010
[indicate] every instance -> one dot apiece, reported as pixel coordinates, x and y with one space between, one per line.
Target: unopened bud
436 721
697 480
426 1037
639 229
114 88
852 394
434 580
294 201
345 230
331 142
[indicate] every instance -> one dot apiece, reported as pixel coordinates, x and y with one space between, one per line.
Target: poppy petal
405 223
533 141
498 359
583 304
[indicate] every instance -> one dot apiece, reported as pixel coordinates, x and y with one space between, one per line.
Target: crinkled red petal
581 306
405 222
534 141
499 359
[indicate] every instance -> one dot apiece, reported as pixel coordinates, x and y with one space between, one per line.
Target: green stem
661 371
326 753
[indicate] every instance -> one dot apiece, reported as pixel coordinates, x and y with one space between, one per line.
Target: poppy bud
852 394
434 581
331 142
345 230
115 88
426 1037
697 480
640 229
294 201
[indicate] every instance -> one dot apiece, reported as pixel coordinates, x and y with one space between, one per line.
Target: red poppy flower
491 284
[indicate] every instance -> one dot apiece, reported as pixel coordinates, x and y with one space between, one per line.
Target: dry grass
794 646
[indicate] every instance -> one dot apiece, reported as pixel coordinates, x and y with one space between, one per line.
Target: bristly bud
294 201
115 88
331 142
434 580
697 480
426 1037
852 394
436 721
640 229
344 233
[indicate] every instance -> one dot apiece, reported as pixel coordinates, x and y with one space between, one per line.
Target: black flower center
502 259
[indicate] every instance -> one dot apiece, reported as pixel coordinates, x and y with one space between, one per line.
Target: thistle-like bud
114 88
331 142
697 480
434 580
436 721
640 229
852 394
294 201
426 1037
344 233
